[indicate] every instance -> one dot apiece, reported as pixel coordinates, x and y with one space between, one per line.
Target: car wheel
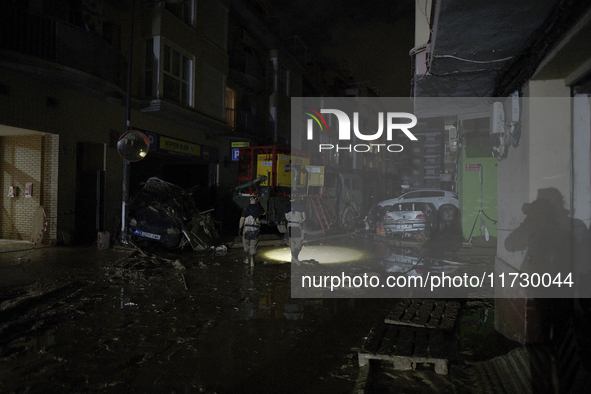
447 216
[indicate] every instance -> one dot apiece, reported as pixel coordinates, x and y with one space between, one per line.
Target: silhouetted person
295 215
249 228
545 233
546 236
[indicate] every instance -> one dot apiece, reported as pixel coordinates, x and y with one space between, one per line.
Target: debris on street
165 213
134 265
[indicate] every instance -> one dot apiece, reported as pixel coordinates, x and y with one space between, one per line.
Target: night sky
371 38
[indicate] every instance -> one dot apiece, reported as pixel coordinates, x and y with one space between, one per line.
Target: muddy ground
76 320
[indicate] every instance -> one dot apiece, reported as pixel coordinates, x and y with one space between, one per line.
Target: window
185 11
177 70
412 195
432 193
169 72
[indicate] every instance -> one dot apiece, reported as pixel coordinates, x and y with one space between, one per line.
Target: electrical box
513 108
301 161
497 118
299 173
265 167
315 175
453 133
28 189
282 169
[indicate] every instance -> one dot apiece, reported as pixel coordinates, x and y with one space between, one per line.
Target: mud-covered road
77 320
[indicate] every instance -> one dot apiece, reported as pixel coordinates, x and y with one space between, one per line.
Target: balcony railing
54 40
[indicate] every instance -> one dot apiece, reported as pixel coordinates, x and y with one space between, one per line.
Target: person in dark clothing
295 215
249 228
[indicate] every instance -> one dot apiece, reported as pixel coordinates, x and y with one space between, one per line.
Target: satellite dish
133 145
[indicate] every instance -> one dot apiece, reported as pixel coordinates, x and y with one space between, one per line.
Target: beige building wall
541 161
28 159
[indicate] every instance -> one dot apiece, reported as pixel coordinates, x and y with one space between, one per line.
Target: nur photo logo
389 121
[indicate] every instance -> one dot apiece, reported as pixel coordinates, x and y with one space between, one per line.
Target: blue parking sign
235 154
152 138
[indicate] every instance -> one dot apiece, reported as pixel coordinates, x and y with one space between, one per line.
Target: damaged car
410 218
445 202
164 213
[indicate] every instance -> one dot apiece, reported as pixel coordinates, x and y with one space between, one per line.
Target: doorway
90 181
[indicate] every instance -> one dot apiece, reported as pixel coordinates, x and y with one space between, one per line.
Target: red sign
472 167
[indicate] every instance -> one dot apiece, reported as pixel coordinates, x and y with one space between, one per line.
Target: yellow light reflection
320 253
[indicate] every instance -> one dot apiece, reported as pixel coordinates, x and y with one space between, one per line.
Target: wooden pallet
428 313
415 332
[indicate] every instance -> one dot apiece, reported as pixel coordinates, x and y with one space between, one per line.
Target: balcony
51 48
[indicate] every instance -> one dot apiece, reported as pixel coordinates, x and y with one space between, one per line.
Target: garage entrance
186 172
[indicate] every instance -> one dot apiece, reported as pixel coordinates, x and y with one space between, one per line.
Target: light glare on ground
322 254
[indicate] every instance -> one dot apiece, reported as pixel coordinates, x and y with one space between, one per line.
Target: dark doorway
190 176
182 171
89 191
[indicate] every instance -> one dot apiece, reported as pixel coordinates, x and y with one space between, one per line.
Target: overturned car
166 214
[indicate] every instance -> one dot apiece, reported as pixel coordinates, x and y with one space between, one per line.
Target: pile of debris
134 266
165 213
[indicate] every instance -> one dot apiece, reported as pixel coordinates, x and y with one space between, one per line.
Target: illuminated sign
180 146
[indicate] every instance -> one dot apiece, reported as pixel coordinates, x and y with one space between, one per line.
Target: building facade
531 60
194 76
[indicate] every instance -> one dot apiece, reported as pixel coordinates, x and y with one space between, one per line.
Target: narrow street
79 320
